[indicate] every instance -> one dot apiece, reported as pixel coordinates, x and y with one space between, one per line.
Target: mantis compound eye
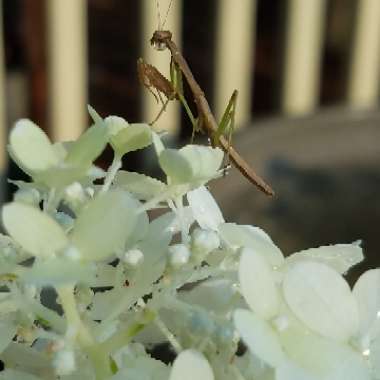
159 45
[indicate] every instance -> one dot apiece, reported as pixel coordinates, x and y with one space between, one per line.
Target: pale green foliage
128 277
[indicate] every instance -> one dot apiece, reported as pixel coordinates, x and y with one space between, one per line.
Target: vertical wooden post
67 53
3 124
364 74
303 47
235 39
170 119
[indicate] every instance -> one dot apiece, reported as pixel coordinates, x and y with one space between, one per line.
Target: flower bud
179 255
133 257
204 241
64 362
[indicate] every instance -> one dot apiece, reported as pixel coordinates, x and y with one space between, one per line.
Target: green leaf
142 186
31 148
88 147
34 230
103 227
131 138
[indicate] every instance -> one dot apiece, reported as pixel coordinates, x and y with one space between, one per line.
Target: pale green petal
258 284
259 337
131 138
105 275
367 294
61 176
254 238
290 371
8 330
12 374
341 257
375 357
322 357
190 365
321 299
216 295
95 116
142 186
191 163
88 147
205 209
115 124
103 227
59 271
157 143
205 160
34 230
26 358
31 148
175 166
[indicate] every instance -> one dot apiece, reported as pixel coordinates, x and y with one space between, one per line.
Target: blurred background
308 75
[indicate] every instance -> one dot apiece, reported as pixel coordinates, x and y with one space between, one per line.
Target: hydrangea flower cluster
92 279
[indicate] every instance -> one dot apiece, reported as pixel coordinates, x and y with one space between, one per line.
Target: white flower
179 254
302 322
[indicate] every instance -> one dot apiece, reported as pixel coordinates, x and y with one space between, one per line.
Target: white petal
341 257
12 374
367 294
31 147
321 299
290 371
252 237
191 365
103 227
205 209
375 357
322 357
259 337
257 284
34 230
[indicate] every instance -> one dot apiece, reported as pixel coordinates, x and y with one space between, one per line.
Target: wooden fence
234 49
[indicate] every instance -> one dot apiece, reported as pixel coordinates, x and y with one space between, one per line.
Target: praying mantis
152 79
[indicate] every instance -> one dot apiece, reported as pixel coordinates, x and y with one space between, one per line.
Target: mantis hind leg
177 82
227 125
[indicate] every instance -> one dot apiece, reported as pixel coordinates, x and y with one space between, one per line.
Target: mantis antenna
161 26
